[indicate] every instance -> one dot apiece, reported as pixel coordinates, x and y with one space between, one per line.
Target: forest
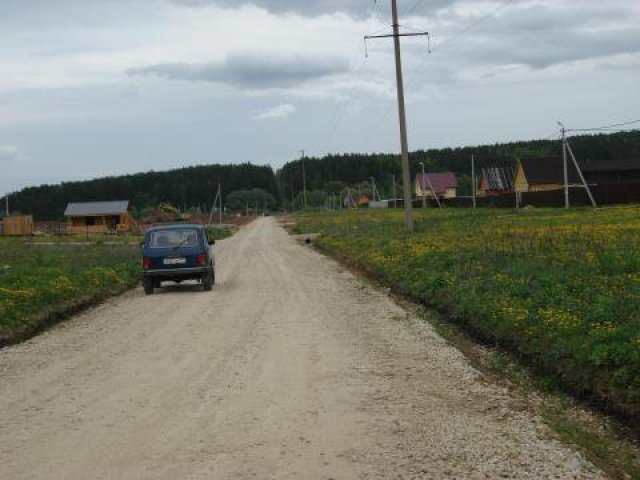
194 188
186 188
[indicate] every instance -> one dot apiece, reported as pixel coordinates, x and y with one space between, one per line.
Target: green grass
41 281
219 233
560 290
617 457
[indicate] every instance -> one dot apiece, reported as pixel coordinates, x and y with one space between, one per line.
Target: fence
604 194
17 225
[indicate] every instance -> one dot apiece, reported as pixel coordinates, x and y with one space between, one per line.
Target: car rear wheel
208 279
148 285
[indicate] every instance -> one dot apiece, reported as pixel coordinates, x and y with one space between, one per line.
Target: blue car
177 252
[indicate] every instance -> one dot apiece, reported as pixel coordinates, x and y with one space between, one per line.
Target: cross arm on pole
393 35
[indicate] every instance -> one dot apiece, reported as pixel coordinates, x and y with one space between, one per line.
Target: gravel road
291 368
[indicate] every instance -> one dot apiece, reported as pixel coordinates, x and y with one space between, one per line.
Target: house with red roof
443 183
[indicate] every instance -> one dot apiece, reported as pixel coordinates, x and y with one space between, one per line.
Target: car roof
165 226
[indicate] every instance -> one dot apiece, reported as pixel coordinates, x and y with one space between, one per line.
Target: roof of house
547 170
498 178
88 209
611 165
440 182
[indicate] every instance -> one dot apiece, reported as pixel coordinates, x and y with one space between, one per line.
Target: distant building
601 172
444 184
495 181
99 217
543 174
364 200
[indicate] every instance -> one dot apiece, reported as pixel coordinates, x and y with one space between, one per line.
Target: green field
40 282
561 290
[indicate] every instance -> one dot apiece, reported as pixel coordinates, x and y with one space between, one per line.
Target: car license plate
175 261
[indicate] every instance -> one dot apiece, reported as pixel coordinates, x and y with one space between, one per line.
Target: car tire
148 284
208 279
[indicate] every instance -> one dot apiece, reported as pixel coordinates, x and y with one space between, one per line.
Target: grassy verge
605 441
561 290
557 292
41 283
219 233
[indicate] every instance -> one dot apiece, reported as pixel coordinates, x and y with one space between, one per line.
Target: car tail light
146 263
201 260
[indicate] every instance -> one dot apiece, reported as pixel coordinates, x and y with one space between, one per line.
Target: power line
412 8
460 34
464 31
553 135
473 25
341 109
374 9
606 127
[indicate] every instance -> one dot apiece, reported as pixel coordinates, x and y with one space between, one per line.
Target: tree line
247 186
355 170
185 188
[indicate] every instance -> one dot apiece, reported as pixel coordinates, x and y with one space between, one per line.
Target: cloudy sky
102 87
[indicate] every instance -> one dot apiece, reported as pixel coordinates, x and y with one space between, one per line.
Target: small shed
99 217
17 225
444 184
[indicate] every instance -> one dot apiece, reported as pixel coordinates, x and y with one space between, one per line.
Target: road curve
290 368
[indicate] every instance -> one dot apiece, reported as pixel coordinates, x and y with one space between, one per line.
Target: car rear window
173 237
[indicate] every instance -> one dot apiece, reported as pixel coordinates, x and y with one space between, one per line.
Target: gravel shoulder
291 368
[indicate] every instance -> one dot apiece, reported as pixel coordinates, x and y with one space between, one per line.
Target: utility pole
473 180
404 143
393 188
422 187
582 179
220 195
565 165
373 188
215 202
6 204
426 181
304 181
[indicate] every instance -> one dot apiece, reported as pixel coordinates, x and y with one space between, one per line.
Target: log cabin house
99 217
543 174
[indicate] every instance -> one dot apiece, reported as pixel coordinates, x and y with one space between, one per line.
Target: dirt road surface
291 368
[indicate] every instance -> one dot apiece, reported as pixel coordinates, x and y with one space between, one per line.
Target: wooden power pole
404 143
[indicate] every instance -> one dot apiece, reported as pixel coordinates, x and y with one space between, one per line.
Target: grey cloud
540 36
319 7
9 153
276 113
249 71
557 48
570 47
